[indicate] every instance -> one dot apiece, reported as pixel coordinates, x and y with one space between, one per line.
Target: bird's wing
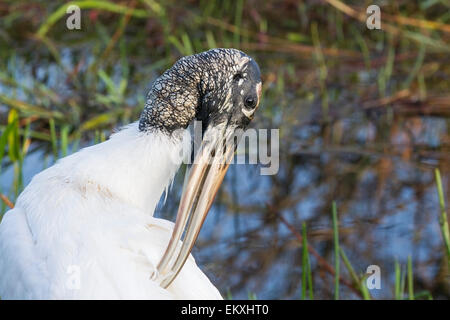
108 251
23 272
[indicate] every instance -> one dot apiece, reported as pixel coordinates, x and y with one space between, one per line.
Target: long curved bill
205 177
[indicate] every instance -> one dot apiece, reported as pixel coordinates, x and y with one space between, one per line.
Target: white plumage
92 212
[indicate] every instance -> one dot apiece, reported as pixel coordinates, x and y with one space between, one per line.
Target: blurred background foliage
364 119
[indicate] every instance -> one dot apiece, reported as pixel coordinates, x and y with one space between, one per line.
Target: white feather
93 210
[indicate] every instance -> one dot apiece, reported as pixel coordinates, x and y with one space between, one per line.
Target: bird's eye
250 102
237 77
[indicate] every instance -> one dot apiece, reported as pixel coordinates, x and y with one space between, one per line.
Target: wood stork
84 228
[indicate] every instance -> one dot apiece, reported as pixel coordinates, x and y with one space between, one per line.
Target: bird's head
222 89
231 90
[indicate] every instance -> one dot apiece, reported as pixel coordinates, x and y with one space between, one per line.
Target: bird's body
97 220
84 228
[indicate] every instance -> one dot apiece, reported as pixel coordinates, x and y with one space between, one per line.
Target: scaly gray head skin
215 86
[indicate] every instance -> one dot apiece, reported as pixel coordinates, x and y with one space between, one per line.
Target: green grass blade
363 288
402 284
64 139
237 22
423 294
398 281
443 221
53 138
187 45
30 109
306 268
252 296
336 251
103 5
210 40
109 83
3 142
410 280
416 68
4 138
229 296
349 267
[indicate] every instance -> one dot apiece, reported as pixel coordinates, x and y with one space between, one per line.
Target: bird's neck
135 167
